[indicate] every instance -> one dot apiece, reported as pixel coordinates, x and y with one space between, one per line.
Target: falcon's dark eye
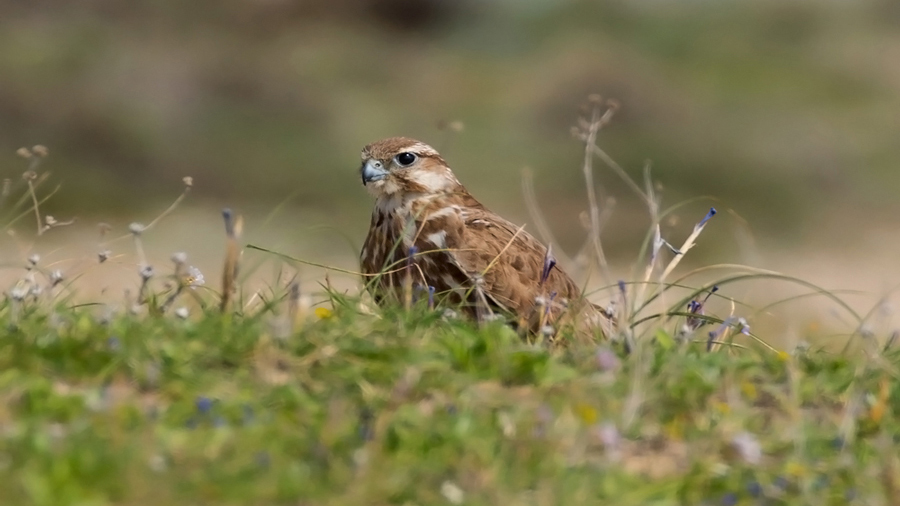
404 159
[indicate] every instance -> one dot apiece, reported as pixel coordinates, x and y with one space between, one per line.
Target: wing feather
508 259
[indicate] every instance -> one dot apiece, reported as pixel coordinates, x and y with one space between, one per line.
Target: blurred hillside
786 111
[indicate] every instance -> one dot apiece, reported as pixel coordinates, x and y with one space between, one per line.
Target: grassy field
312 396
407 407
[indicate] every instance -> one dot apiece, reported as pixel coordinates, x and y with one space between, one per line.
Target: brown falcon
428 232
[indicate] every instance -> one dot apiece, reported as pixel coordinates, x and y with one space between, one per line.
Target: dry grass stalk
534 210
233 229
597 122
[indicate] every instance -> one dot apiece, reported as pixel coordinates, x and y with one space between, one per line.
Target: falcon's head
399 165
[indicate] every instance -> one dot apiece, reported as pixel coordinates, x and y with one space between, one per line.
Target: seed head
104 255
179 258
18 293
188 181
40 150
182 313
56 277
147 272
24 152
136 228
34 259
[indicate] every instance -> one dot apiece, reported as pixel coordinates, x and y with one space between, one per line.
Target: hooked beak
373 170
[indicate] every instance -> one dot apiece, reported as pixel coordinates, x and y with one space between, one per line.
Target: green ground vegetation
409 407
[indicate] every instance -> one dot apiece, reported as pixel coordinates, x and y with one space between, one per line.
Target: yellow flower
587 414
877 409
323 313
675 428
795 469
749 390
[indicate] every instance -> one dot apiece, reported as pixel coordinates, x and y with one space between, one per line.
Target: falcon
429 235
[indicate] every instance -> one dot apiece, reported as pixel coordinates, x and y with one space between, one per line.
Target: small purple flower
745 327
697 308
821 482
228 216
544 417
607 360
692 323
204 404
549 303
716 333
709 215
113 343
782 483
549 263
262 459
729 499
609 435
248 414
838 443
366 425
430 297
754 489
411 256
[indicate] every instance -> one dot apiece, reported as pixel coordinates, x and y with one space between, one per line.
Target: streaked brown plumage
459 243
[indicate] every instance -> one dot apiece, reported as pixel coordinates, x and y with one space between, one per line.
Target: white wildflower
194 277
748 447
452 492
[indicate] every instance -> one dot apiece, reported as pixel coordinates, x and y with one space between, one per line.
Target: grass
407 408
181 395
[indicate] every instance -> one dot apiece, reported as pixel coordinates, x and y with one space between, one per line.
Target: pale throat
403 206
391 199
401 214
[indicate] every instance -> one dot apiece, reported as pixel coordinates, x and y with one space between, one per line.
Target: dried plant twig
233 229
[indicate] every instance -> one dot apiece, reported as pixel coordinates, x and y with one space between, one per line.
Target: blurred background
786 113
